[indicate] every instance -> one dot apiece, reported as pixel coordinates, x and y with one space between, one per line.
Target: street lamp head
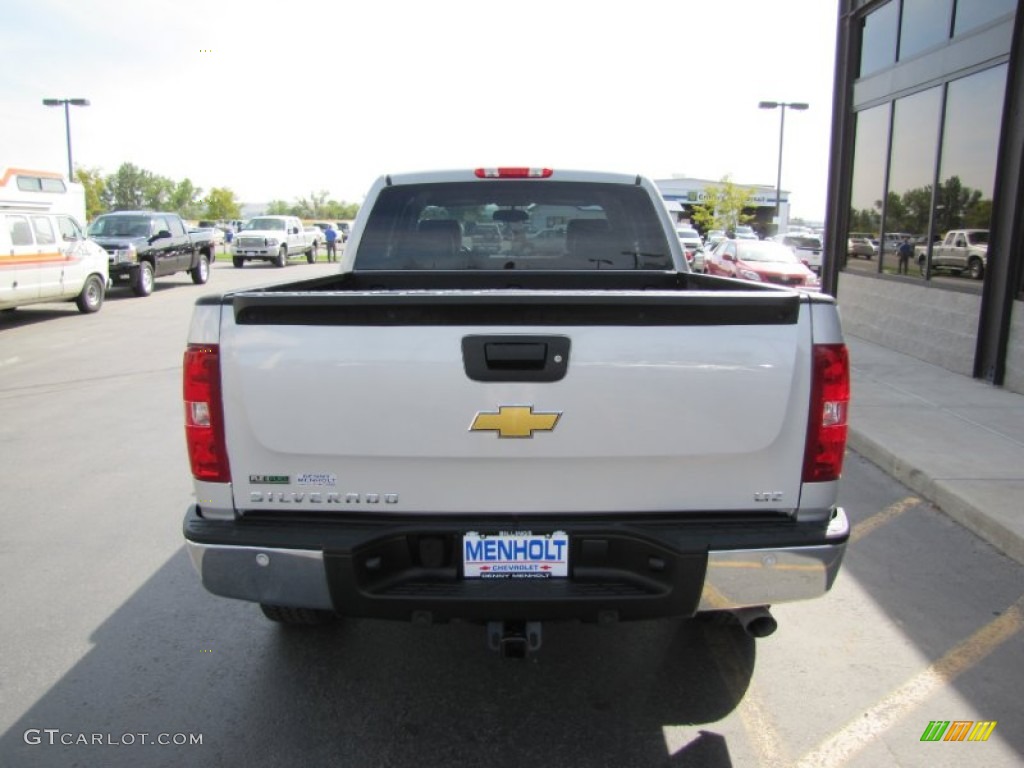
62 102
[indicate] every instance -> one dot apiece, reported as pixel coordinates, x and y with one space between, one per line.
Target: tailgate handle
515 355
515 358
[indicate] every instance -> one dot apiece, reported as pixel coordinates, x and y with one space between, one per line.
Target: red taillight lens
204 414
826 427
513 173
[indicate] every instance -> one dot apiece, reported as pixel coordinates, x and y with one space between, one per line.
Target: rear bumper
620 569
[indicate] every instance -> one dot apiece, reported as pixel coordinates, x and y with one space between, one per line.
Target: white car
693 246
807 248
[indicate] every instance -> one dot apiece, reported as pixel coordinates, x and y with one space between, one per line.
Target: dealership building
681 194
928 139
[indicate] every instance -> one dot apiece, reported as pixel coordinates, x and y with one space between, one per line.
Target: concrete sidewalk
956 441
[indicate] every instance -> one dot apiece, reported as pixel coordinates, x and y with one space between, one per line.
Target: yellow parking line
863 528
843 745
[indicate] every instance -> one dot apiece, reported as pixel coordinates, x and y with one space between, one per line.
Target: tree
185 200
95 188
125 189
723 206
157 191
222 205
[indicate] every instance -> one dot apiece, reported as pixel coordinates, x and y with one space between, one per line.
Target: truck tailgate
662 411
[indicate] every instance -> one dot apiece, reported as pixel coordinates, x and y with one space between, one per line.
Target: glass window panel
970 142
915 136
925 23
878 39
867 186
974 13
44 230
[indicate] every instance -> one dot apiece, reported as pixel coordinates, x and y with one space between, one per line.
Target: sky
282 100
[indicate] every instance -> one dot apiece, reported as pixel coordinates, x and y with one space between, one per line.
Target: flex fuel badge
268 479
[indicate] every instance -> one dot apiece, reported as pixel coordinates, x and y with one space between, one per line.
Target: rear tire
201 271
306 617
142 284
91 297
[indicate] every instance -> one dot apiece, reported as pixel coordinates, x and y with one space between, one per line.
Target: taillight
204 414
826 427
513 173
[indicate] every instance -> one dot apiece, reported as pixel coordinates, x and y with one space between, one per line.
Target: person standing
331 236
905 251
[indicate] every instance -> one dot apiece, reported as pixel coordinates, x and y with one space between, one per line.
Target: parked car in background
712 238
693 247
807 248
960 251
762 261
44 252
143 245
486 238
272 238
892 241
215 230
315 237
861 245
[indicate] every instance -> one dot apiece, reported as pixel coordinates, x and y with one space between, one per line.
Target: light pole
782 127
67 123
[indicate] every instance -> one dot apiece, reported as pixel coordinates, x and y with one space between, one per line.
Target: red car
762 261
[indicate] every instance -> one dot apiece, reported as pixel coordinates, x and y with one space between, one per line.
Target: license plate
515 555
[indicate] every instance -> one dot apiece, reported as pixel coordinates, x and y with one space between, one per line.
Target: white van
45 254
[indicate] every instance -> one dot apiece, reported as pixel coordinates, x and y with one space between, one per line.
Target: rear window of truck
499 225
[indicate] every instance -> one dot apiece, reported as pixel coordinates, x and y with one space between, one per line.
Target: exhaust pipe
756 621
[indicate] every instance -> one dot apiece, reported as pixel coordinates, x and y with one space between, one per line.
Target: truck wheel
91 297
282 256
142 285
238 261
297 616
975 268
201 271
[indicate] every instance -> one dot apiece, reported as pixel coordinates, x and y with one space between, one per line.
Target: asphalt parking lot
111 644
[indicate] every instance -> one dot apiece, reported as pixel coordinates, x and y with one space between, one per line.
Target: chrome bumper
753 577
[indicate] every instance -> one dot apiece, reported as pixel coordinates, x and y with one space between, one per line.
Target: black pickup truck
144 245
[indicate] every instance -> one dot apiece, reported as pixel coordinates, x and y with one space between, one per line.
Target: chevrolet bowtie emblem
515 421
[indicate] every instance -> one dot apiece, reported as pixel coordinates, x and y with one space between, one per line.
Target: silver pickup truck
960 251
590 432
